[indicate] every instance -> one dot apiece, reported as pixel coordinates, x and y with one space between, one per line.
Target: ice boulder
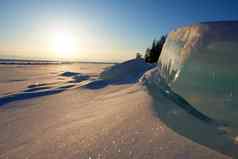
200 63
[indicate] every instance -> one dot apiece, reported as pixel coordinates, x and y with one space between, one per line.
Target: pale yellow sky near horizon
60 41
66 44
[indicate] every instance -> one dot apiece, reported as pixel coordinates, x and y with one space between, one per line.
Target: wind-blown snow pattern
199 63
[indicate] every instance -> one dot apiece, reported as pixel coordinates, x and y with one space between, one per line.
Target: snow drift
126 72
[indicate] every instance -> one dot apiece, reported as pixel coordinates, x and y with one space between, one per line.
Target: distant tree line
138 55
152 54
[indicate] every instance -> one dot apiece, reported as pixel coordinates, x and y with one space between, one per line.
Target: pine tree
152 54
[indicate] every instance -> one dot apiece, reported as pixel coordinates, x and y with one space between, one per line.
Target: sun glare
64 44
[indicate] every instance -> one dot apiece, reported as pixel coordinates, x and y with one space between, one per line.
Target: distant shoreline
45 62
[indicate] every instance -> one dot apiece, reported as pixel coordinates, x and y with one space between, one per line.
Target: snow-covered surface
54 116
126 72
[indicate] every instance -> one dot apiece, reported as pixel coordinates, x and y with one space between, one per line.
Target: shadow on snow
29 93
184 119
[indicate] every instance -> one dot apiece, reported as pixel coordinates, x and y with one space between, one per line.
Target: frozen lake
61 111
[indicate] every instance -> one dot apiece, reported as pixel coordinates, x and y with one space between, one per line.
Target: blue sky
115 30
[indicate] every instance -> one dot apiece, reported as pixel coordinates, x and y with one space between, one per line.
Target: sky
97 30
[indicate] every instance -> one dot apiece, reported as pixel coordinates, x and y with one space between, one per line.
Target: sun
64 44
